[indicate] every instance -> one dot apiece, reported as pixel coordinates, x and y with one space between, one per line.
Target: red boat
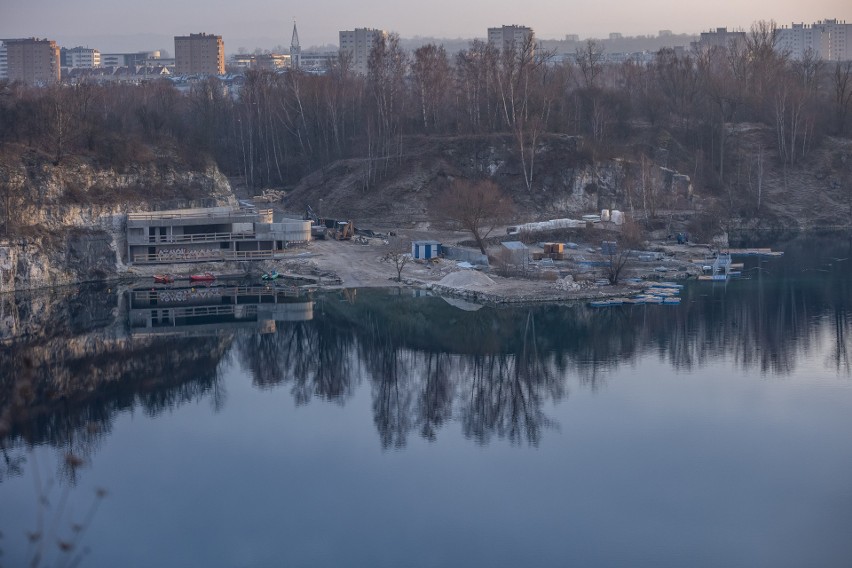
163 278
206 277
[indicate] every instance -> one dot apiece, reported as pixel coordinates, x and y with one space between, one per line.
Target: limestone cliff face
69 222
566 181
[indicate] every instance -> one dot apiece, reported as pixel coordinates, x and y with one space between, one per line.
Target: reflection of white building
190 311
358 43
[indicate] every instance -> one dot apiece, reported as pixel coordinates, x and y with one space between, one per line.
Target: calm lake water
233 427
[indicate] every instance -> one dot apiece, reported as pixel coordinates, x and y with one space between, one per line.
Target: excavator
342 231
318 229
338 230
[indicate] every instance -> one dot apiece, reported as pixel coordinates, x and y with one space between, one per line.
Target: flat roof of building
192 213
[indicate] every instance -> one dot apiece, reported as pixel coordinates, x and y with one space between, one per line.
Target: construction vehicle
342 230
318 228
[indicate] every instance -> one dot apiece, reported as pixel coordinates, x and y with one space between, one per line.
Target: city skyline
265 24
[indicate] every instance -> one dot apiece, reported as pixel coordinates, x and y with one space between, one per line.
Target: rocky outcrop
70 220
566 181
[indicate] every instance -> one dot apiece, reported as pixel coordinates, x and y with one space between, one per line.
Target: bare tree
386 82
474 75
678 80
11 184
759 164
618 253
477 206
398 257
589 57
526 93
430 70
723 72
842 82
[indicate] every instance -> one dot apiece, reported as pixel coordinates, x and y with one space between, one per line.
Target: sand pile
467 280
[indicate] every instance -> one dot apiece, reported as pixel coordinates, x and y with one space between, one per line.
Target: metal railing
172 296
202 311
196 214
190 238
212 255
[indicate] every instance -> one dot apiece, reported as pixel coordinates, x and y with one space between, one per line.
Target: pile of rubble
270 196
568 283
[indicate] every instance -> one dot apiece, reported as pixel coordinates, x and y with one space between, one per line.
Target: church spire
295 48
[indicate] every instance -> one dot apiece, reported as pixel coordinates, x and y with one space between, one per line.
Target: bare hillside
759 190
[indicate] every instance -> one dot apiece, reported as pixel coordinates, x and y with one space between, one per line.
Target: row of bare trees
279 127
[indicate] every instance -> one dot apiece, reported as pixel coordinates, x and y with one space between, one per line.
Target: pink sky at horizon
319 22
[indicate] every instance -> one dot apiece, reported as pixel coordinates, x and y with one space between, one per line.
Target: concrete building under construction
210 234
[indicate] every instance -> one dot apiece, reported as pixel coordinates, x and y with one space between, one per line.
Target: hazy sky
123 25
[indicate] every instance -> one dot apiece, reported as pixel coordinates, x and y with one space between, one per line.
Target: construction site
561 259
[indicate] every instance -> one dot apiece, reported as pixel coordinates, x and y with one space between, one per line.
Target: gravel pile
467 280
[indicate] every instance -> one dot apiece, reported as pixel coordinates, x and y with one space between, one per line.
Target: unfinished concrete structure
208 234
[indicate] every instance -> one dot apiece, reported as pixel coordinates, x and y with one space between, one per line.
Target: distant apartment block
34 61
317 63
127 59
720 37
616 35
507 37
827 39
202 54
358 44
262 61
572 37
3 60
210 234
80 58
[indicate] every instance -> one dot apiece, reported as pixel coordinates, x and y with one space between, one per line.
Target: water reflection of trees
314 359
492 371
499 390
68 369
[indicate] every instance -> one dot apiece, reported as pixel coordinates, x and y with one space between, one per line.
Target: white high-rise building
81 57
720 37
836 36
358 43
797 40
507 37
827 39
